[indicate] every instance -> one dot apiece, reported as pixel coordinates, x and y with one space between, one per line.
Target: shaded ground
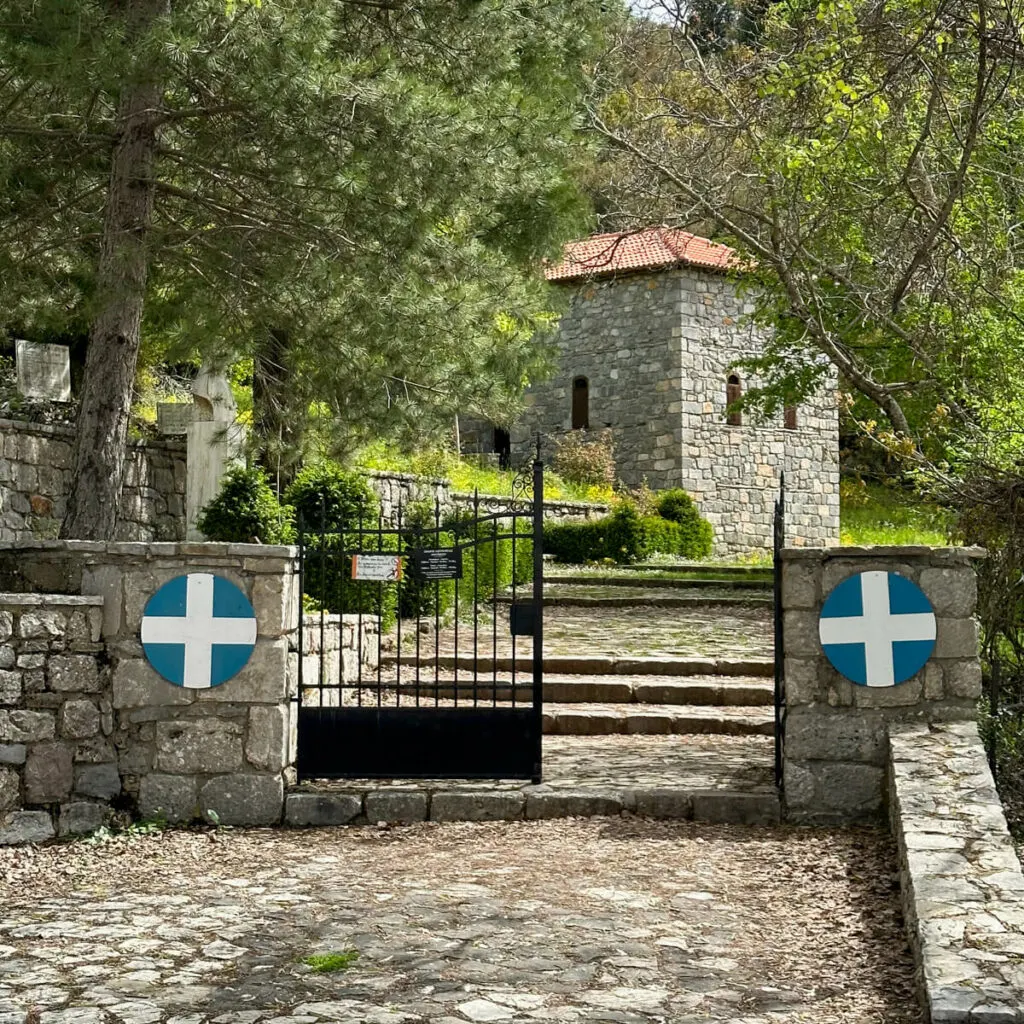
617 920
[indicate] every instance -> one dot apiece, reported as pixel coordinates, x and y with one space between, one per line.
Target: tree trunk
274 428
120 295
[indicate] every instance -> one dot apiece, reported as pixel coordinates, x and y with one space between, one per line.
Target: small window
789 417
580 403
733 393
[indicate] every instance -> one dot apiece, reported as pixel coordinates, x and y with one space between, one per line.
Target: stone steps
655 719
600 666
710 778
696 601
663 690
672 583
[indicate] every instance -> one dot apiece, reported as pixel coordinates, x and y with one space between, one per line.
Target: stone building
648 350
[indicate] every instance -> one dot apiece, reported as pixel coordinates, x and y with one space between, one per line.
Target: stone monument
44 371
215 442
173 418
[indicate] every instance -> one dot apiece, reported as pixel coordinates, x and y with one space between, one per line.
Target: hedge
625 536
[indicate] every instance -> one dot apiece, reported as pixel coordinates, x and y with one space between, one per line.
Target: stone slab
44 371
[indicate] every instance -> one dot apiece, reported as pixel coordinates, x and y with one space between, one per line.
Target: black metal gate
439 622
780 676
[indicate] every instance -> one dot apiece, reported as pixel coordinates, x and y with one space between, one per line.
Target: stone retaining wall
963 891
331 644
35 478
402 489
836 731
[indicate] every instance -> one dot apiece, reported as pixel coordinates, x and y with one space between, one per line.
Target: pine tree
356 195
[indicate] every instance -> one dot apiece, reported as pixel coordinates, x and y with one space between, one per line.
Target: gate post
835 753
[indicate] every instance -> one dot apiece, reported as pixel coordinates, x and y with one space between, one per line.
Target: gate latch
522 618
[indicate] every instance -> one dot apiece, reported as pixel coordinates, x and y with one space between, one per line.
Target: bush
246 511
626 536
343 496
327 577
697 535
583 459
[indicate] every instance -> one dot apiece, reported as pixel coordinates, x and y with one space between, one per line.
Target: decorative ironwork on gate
780 678
443 614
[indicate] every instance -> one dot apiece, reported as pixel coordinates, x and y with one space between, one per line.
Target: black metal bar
380 613
437 615
323 592
358 591
302 591
779 537
476 593
398 612
538 597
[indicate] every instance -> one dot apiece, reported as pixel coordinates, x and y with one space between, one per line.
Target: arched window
733 393
580 403
789 417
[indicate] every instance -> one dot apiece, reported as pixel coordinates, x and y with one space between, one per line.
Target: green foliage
626 536
328 576
328 963
586 459
246 511
881 514
327 497
467 475
696 533
407 287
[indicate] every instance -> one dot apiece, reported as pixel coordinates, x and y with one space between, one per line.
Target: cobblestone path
620 920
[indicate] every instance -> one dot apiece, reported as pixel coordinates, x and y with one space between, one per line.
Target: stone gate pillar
836 731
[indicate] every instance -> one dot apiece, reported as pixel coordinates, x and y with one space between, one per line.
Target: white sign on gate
378 568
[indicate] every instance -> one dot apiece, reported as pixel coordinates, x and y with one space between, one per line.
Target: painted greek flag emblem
198 630
877 628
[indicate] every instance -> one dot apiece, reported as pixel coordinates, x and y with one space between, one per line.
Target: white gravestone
173 418
44 371
215 443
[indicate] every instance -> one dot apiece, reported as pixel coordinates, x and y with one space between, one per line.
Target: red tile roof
650 249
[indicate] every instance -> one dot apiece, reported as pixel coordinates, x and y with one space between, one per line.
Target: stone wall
158 748
331 645
402 489
836 739
58 765
656 350
963 891
35 478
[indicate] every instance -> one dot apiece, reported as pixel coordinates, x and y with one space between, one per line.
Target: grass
467 475
328 963
879 514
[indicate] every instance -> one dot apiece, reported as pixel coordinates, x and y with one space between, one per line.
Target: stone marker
173 418
215 442
44 371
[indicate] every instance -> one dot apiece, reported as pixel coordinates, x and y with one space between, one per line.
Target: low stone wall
58 765
170 751
35 479
331 644
836 732
401 489
963 891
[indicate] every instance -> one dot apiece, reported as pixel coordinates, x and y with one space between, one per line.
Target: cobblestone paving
621 921
694 632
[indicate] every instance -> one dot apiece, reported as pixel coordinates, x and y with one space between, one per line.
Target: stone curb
963 890
405 805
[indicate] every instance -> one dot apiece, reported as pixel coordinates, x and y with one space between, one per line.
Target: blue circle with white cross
198 630
877 628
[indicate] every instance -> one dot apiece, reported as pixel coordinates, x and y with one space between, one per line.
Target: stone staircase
632 717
